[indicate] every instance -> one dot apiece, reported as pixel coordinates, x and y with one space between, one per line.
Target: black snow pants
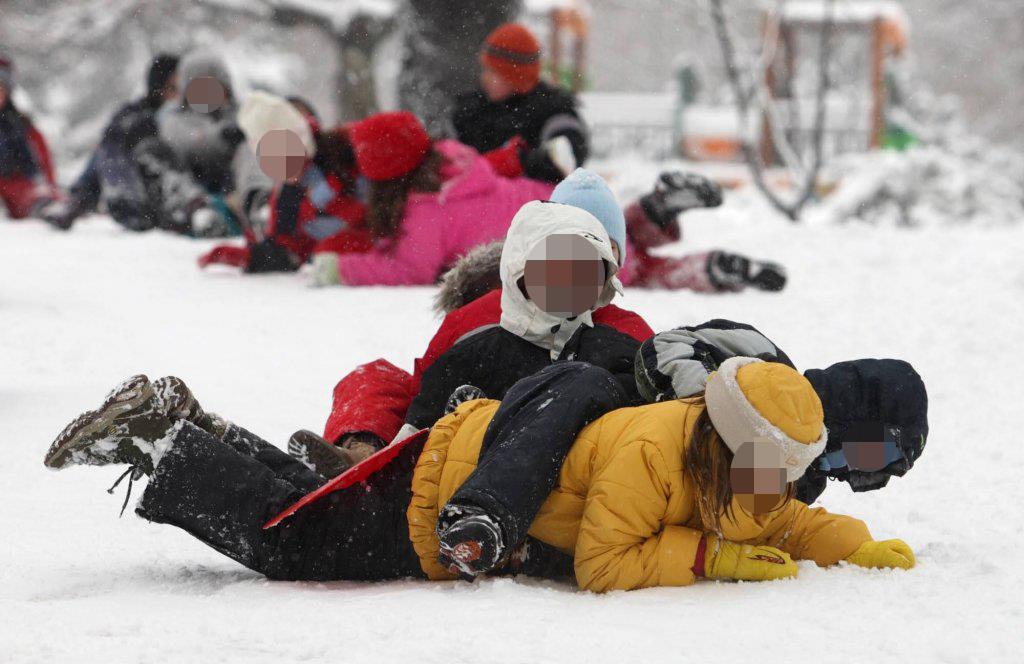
222 491
525 444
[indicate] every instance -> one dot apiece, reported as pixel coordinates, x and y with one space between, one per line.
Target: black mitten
269 256
676 192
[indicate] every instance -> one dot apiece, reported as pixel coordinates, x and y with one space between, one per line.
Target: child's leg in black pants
528 439
223 497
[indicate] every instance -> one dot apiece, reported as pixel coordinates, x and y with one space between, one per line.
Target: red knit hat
388 145
514 53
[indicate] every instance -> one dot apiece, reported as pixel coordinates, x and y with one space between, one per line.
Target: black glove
269 256
676 192
732 271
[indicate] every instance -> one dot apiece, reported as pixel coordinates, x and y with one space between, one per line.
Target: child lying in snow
659 495
430 203
876 412
311 208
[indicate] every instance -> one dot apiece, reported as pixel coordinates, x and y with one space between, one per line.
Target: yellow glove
890 553
744 562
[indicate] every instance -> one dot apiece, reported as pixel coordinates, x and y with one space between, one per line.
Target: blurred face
870 446
564 275
494 86
205 94
282 155
758 476
4 95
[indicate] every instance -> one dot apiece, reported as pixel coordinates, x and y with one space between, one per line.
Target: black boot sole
79 434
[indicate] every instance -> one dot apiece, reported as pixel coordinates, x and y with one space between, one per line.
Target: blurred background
650 72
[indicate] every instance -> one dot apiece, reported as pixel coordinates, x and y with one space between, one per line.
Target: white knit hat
781 390
262 112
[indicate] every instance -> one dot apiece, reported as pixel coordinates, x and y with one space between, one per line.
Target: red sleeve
485 310
372 398
624 321
42 152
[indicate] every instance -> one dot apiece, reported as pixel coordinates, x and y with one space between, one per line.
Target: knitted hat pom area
513 52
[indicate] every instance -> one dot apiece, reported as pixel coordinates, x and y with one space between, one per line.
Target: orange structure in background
570 24
883 26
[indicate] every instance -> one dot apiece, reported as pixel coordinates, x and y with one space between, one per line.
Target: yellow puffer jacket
623 506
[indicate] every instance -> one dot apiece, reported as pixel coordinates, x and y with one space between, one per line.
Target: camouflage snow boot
125 429
326 459
178 403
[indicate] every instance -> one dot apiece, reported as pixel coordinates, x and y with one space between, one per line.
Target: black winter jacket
132 124
538 116
494 359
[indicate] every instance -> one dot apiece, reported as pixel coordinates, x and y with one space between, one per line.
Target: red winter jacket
291 232
376 395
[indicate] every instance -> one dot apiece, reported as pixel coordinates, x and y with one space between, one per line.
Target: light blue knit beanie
588 191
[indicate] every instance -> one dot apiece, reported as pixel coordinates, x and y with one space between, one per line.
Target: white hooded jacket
534 222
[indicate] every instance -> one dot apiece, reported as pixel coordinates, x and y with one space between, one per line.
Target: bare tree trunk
442 40
354 47
745 95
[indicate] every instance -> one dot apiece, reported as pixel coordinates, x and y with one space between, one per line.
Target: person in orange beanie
521 124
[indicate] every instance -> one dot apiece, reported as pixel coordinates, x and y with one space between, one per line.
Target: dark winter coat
494 359
23 152
374 397
205 143
538 116
132 124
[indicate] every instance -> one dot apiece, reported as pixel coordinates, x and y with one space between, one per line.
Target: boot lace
136 473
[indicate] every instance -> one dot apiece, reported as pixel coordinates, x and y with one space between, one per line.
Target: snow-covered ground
80 311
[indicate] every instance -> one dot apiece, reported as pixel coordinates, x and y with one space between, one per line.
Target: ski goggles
867 447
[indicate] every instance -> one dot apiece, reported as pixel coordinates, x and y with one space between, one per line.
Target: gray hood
534 222
204 63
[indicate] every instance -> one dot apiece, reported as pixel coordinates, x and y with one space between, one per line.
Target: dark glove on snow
734 271
269 256
676 192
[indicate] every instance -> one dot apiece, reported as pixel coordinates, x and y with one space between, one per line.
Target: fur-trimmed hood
475 274
534 222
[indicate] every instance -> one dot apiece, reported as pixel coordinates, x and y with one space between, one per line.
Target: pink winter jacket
475 206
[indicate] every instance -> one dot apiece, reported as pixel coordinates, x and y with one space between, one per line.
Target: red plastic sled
356 473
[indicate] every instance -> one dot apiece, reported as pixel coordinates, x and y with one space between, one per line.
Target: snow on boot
320 456
461 395
734 271
471 542
125 429
676 192
178 403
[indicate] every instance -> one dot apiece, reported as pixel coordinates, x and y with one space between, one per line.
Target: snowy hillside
81 311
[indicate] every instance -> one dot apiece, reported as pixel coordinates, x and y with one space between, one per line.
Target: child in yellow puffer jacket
663 494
